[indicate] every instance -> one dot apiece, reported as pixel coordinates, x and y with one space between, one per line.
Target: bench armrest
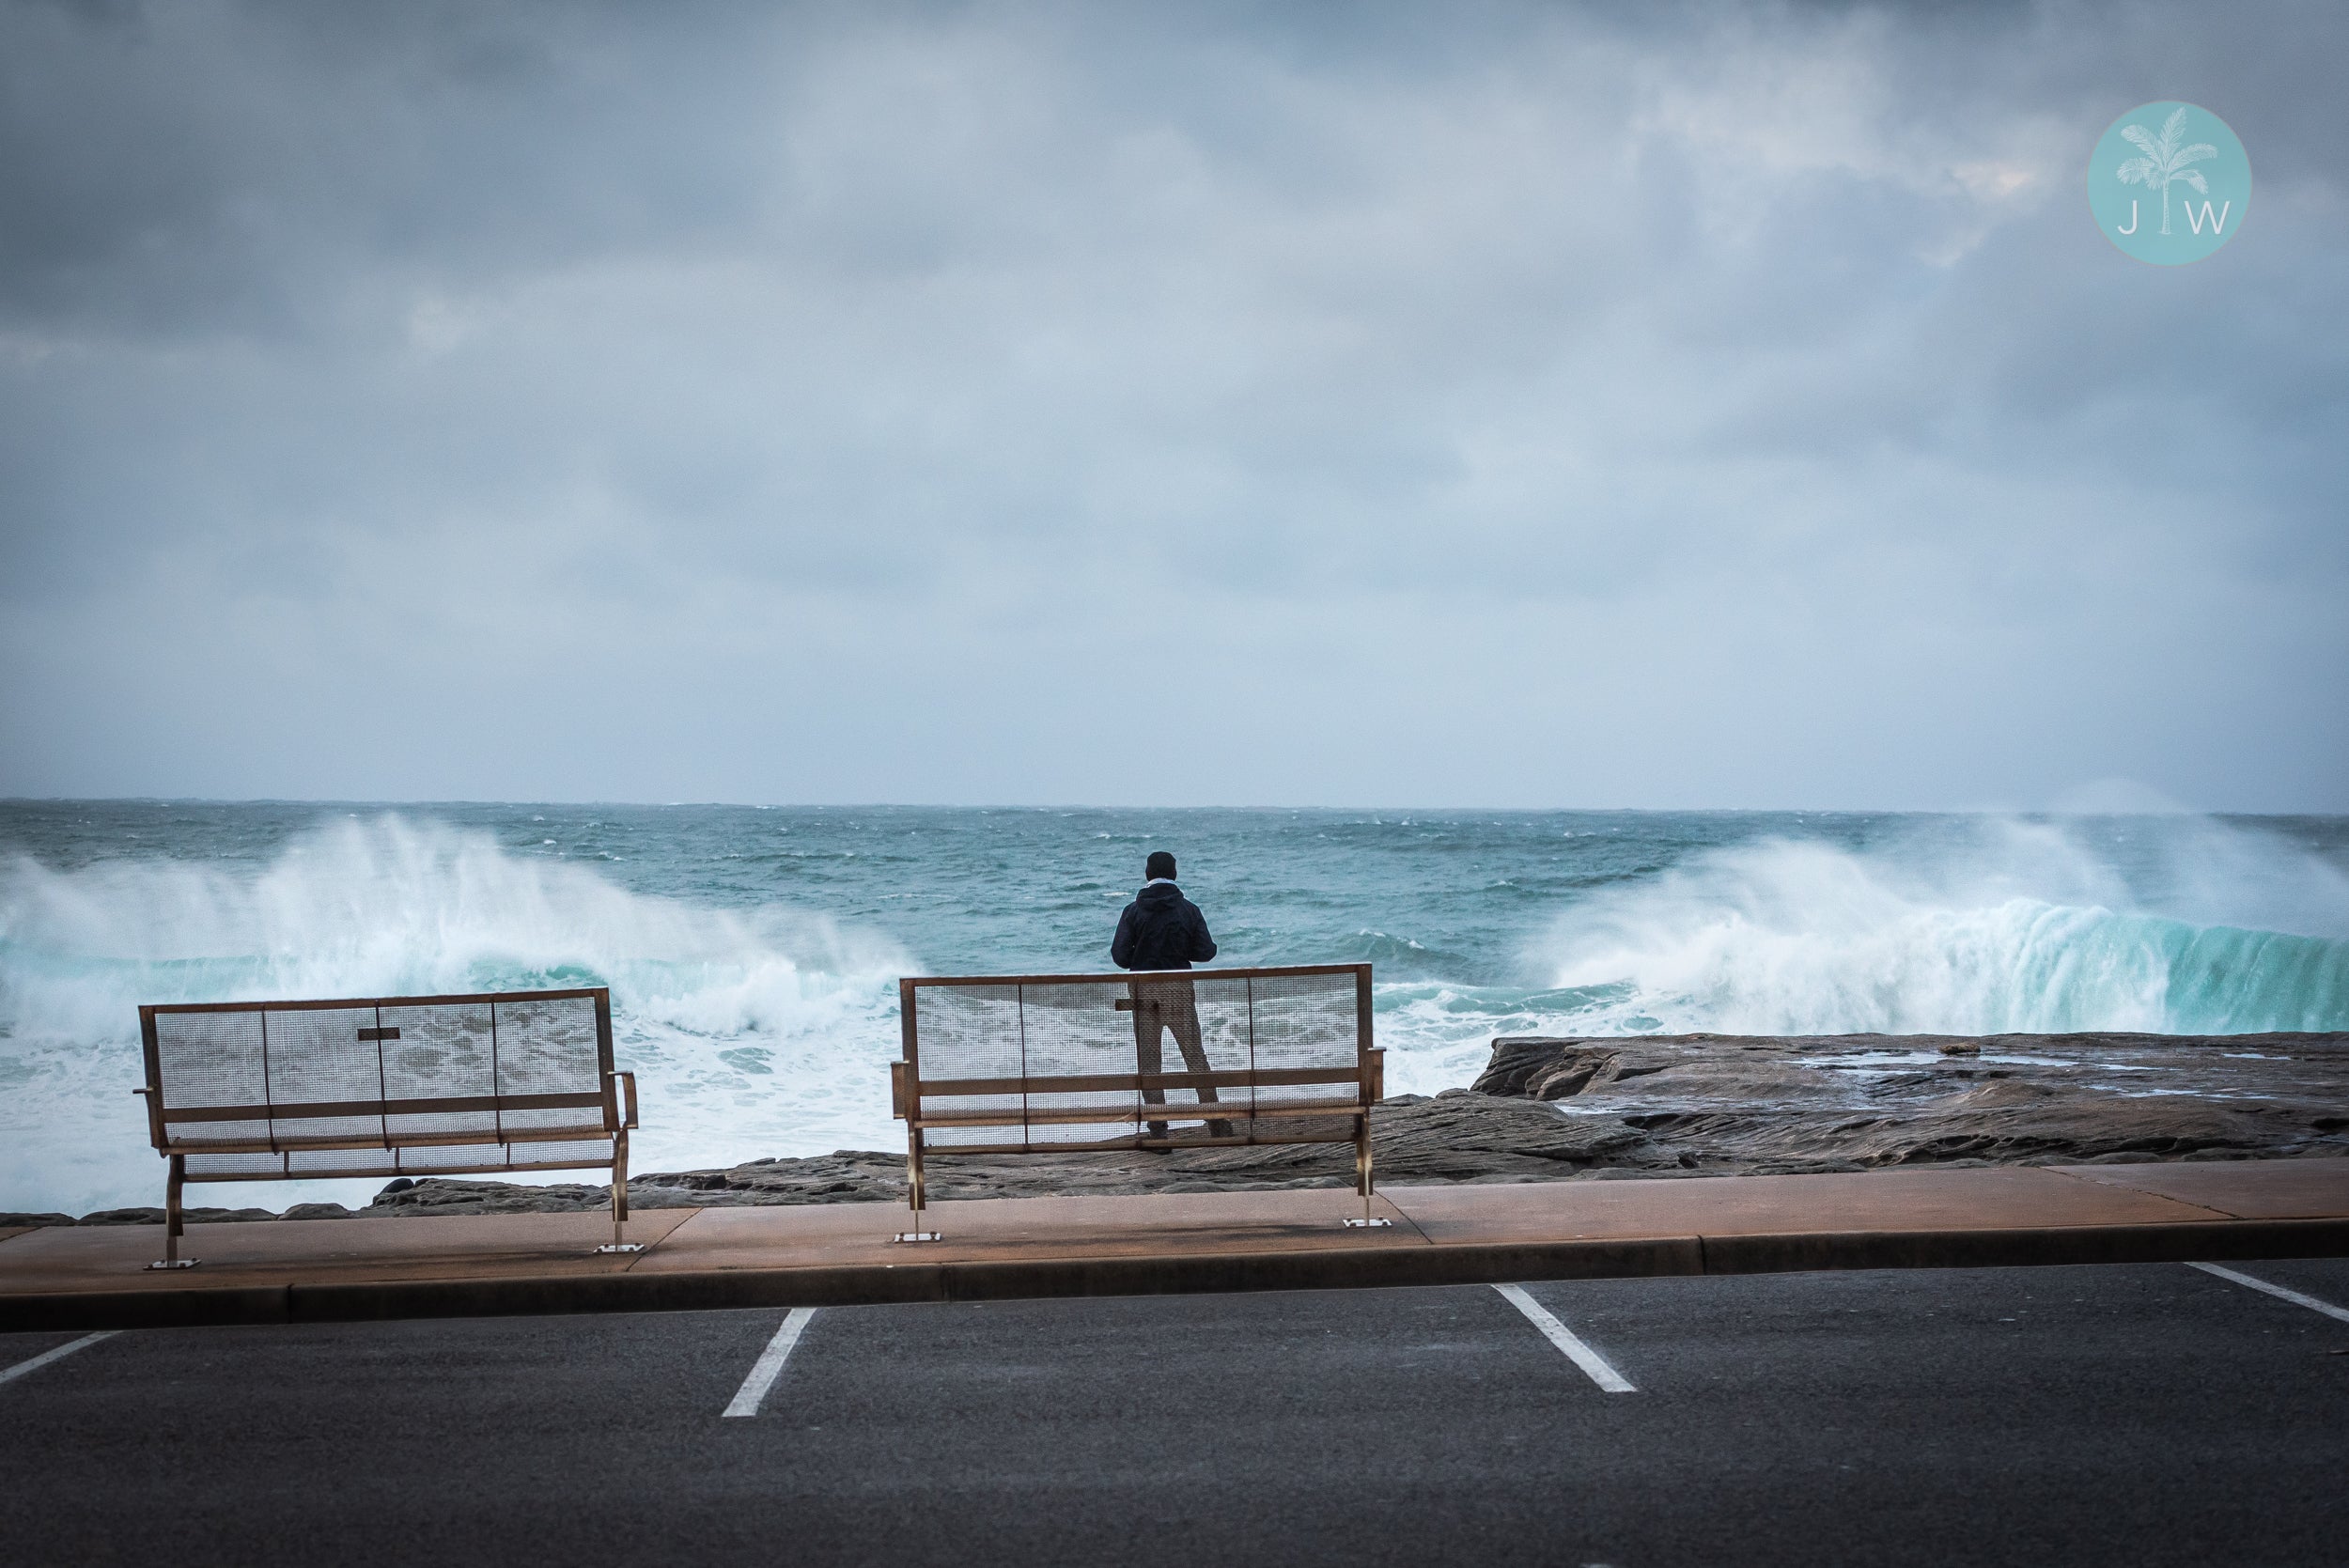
1374 1080
154 1099
628 1085
897 1096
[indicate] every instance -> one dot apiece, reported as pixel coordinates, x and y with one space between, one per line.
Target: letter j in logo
2169 183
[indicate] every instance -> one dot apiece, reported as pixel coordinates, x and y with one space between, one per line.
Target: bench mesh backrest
284 1057
1059 1029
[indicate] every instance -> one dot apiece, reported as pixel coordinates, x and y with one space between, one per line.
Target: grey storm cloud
1512 405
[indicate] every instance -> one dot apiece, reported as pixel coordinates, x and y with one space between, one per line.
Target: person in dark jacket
1162 930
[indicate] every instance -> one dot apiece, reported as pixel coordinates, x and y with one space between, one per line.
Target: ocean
752 952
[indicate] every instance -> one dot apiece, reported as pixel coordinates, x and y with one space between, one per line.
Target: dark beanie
1159 864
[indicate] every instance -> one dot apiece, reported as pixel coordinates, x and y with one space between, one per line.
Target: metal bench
1039 1064
386 1086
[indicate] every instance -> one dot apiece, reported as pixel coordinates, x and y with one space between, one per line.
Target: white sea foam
2005 926
713 1008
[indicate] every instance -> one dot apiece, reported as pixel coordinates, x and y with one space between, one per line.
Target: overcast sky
1313 404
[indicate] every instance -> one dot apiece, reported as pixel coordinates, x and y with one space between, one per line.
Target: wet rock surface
1757 1105
1459 1136
1568 1108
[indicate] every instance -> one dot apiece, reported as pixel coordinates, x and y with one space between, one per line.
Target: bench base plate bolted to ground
386 1086
1050 1063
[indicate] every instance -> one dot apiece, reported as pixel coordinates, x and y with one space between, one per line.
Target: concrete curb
2178 1242
1335 1268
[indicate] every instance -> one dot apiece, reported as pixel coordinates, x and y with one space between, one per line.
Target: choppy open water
752 952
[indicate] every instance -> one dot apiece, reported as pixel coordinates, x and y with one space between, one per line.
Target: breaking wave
2016 927
709 1005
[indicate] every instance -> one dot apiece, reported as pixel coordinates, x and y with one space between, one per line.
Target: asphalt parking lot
2138 1414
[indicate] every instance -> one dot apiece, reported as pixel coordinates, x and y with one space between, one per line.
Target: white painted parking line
12 1374
770 1363
1562 1337
2311 1302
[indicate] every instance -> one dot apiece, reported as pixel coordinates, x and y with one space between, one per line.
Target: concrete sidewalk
75 1277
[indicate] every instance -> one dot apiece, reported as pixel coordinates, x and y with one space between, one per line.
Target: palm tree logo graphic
2164 161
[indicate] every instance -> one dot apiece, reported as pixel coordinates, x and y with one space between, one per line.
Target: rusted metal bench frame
615 1101
907 1087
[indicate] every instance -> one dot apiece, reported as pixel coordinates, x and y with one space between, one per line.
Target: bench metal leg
1361 1179
619 1197
916 1199
173 1226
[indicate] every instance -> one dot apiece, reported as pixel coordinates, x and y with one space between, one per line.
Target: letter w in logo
2197 220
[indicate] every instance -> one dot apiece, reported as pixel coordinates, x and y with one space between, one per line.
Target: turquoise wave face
2225 981
753 954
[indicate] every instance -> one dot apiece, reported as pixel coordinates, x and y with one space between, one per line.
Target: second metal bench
1056 1062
